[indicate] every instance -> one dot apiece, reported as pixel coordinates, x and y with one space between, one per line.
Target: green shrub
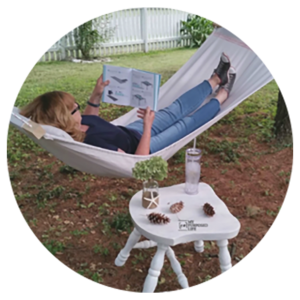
92 33
198 28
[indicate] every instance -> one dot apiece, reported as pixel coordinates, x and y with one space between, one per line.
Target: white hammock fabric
252 74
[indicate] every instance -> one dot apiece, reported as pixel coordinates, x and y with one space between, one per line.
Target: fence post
144 28
63 46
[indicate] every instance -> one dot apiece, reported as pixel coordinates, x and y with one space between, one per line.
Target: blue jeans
173 122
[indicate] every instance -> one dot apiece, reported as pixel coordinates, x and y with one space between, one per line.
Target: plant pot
150 194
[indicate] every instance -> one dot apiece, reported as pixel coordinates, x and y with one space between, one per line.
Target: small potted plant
150 170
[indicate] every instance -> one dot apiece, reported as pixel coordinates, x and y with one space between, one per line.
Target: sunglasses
77 108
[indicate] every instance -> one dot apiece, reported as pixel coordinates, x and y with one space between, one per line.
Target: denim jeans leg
185 126
180 108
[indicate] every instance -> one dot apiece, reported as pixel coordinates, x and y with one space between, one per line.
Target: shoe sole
229 63
227 57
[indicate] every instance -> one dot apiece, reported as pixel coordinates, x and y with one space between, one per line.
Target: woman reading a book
151 133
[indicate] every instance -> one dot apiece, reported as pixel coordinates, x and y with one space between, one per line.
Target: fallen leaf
252 211
139 270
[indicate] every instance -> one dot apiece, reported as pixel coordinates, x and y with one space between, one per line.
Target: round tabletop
191 223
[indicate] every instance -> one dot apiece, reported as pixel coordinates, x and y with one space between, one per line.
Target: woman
149 134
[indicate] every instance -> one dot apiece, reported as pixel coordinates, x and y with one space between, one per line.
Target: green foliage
92 33
20 147
67 170
198 28
122 222
228 151
55 192
100 249
179 157
207 277
95 276
154 168
79 232
54 246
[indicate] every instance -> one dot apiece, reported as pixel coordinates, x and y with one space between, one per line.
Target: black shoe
231 79
222 69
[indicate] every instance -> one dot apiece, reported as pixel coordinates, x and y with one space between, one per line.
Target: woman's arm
96 97
144 144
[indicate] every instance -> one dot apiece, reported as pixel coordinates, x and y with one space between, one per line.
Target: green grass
79 79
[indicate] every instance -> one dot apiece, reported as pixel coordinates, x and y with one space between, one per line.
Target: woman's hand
98 90
148 116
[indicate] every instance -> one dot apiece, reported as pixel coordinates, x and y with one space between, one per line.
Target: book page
143 89
119 89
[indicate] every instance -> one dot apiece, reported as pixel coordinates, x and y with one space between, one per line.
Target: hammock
252 74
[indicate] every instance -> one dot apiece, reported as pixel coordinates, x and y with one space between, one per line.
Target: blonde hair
54 108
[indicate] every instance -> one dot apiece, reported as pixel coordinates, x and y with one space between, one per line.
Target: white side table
189 225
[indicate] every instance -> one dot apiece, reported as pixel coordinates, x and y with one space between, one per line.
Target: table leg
177 268
199 246
155 268
224 256
124 253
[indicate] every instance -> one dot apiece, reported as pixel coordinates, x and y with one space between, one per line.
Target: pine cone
176 207
208 209
157 218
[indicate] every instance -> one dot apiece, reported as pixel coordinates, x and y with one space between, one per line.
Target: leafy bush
92 33
198 28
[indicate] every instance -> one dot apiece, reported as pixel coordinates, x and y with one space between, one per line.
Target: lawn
83 220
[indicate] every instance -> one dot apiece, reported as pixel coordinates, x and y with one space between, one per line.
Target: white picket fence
136 30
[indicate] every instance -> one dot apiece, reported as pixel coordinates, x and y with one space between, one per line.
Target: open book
131 87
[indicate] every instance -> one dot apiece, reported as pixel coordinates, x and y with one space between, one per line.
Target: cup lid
193 152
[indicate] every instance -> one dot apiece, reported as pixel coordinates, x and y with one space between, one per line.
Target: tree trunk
282 126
